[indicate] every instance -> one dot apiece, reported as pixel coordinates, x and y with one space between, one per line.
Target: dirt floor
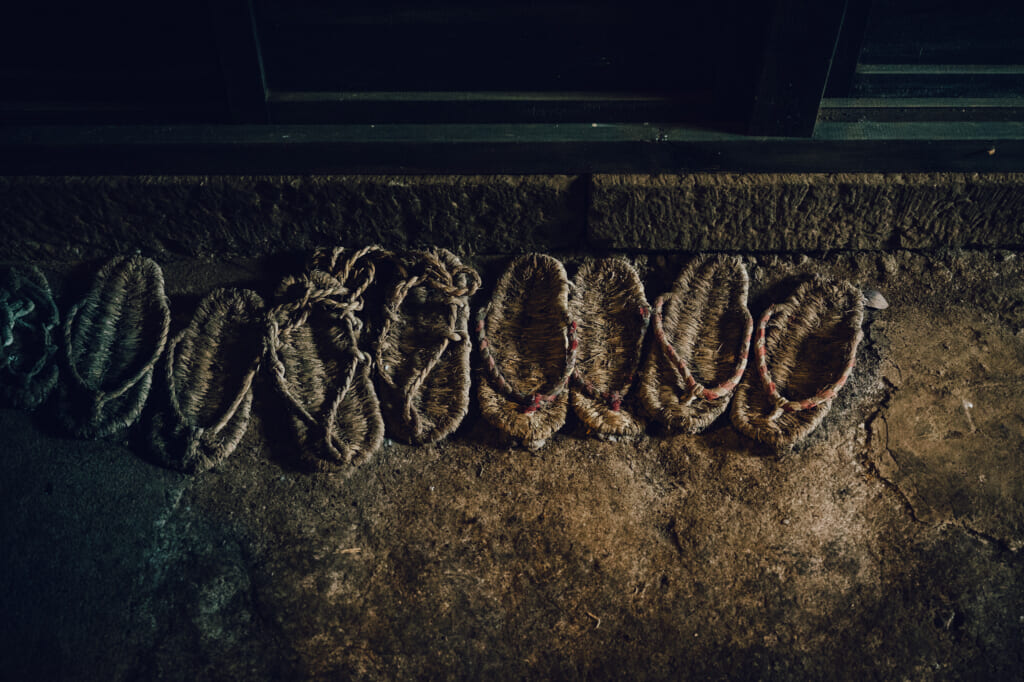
888 545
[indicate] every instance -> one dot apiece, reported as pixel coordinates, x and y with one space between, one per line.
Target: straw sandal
702 331
28 318
317 366
423 351
112 340
808 349
210 367
609 300
525 334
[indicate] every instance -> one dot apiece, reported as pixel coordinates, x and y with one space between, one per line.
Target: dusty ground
887 546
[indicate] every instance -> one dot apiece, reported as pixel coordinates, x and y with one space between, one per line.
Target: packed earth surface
887 545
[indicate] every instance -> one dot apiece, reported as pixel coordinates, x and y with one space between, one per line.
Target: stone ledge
165 216
79 218
806 212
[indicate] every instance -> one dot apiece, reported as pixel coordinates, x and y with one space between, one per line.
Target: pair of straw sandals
416 382
543 349
111 340
116 343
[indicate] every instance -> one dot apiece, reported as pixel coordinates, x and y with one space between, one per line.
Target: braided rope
341 265
328 291
12 315
783 404
337 301
531 402
612 397
26 302
48 350
28 319
446 281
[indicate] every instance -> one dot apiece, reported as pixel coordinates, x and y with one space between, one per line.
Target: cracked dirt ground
887 546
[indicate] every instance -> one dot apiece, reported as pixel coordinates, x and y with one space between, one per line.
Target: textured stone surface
812 212
166 217
686 557
53 218
953 438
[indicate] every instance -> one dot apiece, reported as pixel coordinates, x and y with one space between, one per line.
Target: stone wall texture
806 212
74 217
77 218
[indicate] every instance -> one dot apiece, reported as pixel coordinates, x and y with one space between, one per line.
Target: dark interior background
110 62
775 69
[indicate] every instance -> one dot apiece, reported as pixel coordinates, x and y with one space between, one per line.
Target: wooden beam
501 148
922 109
490 107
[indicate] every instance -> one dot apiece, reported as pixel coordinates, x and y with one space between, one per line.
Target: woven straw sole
28 327
424 348
113 338
809 346
209 370
613 312
706 323
526 327
335 414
